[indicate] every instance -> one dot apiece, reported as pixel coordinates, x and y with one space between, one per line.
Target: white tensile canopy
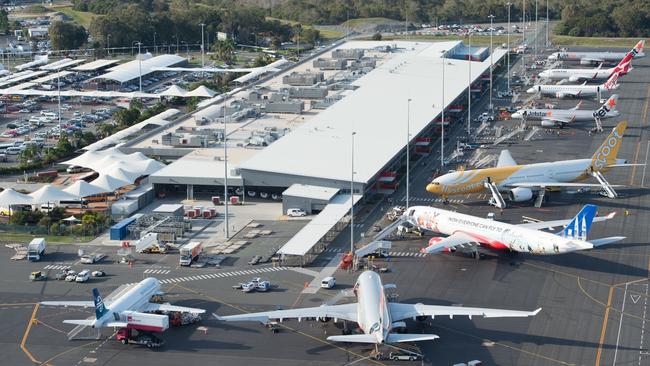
10 197
109 183
201 91
174 91
71 219
81 188
49 193
121 173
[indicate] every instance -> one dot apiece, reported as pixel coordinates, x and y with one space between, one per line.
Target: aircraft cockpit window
410 213
375 328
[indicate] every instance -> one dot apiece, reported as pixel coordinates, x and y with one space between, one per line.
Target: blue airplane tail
100 309
579 227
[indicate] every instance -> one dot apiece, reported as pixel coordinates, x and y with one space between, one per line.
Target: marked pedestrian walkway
55 266
208 276
407 254
157 271
431 200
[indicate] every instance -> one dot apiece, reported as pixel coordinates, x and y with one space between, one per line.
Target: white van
328 282
83 276
13 151
296 212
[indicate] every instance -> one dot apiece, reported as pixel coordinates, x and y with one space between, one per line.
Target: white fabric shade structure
50 193
174 91
109 183
71 219
201 91
120 173
10 197
81 188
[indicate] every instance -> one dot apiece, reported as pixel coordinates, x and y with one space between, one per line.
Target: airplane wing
84 304
454 240
505 159
555 184
346 311
405 311
553 223
150 307
592 59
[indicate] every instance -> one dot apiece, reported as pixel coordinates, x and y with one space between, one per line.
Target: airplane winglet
536 312
217 316
611 215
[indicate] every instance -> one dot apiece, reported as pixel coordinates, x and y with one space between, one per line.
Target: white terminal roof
314 192
202 167
94 65
131 70
309 235
120 136
23 76
51 77
61 64
376 111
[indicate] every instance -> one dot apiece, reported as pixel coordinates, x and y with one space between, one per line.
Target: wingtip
611 215
217 316
536 311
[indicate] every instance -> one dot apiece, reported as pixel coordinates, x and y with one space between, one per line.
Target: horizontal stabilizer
86 322
117 324
604 241
397 338
354 338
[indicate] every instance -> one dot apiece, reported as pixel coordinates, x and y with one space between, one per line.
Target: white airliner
519 181
561 117
464 230
375 315
575 91
590 58
128 308
573 75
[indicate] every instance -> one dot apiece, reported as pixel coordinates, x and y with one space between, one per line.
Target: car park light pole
408 156
352 196
202 46
546 24
155 48
108 45
491 62
225 168
508 55
58 85
139 64
536 28
523 37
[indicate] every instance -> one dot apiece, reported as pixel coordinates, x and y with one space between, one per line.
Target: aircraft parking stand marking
208 276
157 271
55 266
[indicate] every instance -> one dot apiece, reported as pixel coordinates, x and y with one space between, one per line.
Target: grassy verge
80 17
361 21
559 40
24 238
324 33
476 40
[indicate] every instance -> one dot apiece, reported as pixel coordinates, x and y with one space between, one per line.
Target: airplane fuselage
581 74
373 315
494 234
568 90
471 181
591 57
132 300
573 115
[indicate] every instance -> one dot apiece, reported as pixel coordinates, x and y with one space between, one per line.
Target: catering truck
36 249
189 252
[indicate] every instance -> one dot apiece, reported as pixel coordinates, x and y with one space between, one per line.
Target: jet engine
560 95
574 78
520 194
547 123
437 239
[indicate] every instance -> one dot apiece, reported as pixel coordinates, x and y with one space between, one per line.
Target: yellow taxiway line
27 330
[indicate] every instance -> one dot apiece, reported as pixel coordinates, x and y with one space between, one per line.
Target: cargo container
119 231
124 208
145 321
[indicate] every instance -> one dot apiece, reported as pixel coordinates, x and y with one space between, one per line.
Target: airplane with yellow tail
523 182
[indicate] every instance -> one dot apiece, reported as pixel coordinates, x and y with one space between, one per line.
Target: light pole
469 88
442 123
187 49
202 46
140 64
225 169
523 35
547 23
58 86
108 45
352 196
536 29
155 48
491 62
408 156
508 55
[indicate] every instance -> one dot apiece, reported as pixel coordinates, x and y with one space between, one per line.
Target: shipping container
119 231
145 321
124 208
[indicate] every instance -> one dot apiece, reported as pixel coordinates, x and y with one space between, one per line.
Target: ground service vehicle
296 212
36 249
189 252
126 336
328 282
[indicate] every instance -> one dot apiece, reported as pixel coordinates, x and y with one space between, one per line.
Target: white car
83 276
296 212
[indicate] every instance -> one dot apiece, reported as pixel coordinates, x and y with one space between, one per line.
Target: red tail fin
612 82
633 52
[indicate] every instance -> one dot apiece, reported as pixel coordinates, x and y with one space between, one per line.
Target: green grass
24 238
324 33
476 40
80 17
559 40
360 21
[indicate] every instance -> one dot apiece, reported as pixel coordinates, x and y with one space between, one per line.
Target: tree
64 147
262 59
376 37
5 25
224 50
127 117
67 36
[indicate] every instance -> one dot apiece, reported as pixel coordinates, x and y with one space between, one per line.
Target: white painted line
620 323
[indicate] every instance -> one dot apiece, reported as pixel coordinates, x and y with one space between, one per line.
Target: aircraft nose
543 74
531 90
516 115
433 188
